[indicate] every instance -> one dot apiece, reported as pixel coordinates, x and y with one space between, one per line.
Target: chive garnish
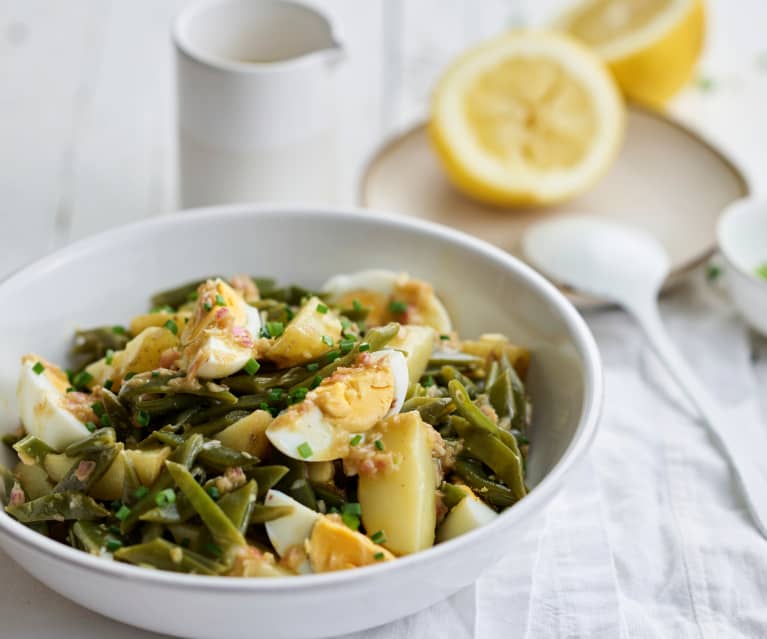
305 450
142 418
353 508
275 329
38 368
82 379
207 306
213 492
108 357
119 330
327 340
378 537
427 381
275 394
164 497
123 512
444 337
397 307
220 299
113 544
129 376
378 444
312 367
333 356
356 305
364 347
192 297
346 345
98 408
316 381
90 426
378 556
355 440
141 492
105 420
321 308
252 366
171 326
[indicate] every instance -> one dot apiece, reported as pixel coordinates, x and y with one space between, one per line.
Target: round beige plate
666 180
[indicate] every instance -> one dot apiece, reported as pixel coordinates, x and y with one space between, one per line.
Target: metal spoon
628 267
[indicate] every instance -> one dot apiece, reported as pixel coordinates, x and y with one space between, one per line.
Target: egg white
291 530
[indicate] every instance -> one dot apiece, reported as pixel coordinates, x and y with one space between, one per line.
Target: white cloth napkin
650 538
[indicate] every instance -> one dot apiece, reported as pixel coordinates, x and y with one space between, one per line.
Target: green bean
179 295
492 374
415 390
261 383
117 414
377 338
188 450
247 403
490 491
91 345
332 496
451 494
467 409
87 471
261 514
519 419
58 507
131 482
356 314
189 536
165 555
295 483
177 512
97 440
6 484
160 382
432 409
264 284
151 531
225 534
238 505
292 295
266 477
216 425
456 359
449 373
489 449
165 404
213 454
501 396
32 450
90 536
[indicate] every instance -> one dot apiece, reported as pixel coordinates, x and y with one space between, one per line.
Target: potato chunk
141 322
335 546
302 339
418 343
248 434
148 463
401 501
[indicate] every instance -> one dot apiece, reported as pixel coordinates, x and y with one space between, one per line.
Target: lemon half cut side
529 118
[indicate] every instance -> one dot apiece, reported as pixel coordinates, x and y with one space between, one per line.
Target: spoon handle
740 443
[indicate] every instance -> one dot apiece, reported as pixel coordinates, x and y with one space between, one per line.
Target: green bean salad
245 429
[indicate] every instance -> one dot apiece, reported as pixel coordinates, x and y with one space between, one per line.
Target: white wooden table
87 136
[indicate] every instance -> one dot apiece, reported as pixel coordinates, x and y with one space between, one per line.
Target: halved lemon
527 118
651 46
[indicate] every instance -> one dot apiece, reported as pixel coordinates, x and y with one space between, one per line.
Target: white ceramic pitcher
256 95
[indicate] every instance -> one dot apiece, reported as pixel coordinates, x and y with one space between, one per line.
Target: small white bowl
742 236
106 278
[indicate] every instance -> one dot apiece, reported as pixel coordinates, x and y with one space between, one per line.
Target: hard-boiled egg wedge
218 340
390 297
291 530
335 546
466 515
47 410
352 400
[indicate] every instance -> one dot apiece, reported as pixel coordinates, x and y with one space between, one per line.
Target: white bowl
742 236
108 277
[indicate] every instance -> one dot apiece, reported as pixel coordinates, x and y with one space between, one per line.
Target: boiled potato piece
33 479
57 465
148 463
302 339
141 322
418 344
401 502
335 546
495 345
110 484
466 515
248 434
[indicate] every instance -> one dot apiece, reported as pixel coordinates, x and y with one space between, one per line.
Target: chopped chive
129 376
379 556
114 530
108 357
321 308
192 297
72 389
213 549
113 544
356 305
90 426
252 366
299 394
327 340
220 300
444 337
275 329
333 356
98 408
427 381
352 508
82 379
275 394
141 492
105 420
364 347
123 512
316 381
38 368
378 444
213 492
263 406
164 497
207 306
378 537
397 307
119 330
171 326
155 374
142 418
355 440
352 521
346 345
305 450
345 324
312 367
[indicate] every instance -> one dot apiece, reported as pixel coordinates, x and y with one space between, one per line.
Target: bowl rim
727 219
585 431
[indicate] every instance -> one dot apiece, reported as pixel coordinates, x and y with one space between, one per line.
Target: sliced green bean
467 409
87 471
99 439
216 425
164 555
161 382
238 505
226 535
451 494
131 482
493 370
266 477
90 536
116 413
213 454
432 409
32 450
261 514
295 483
490 491
449 373
191 536
151 531
58 507
175 297
6 484
332 496
92 344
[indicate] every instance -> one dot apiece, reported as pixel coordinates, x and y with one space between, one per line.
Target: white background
87 135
